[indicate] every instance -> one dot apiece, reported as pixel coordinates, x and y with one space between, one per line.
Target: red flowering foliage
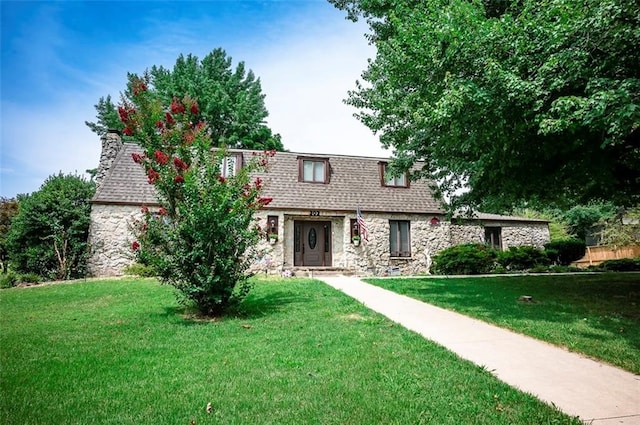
138 87
178 179
144 209
152 175
161 157
137 158
194 108
221 179
124 115
169 119
135 246
177 107
189 137
200 125
180 164
127 131
264 201
258 183
160 124
162 211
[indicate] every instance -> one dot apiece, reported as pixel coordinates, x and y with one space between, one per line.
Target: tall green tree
49 234
106 117
230 99
521 102
202 238
8 210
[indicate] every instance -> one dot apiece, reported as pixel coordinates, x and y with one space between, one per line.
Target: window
399 244
493 237
387 179
313 170
230 165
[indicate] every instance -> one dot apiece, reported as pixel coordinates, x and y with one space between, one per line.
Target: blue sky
58 58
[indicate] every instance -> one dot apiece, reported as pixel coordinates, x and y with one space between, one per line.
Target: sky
59 57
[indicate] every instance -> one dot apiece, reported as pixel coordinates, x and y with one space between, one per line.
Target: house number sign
314 213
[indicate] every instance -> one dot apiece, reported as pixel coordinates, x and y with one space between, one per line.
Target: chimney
111 145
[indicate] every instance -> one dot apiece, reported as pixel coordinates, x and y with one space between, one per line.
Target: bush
48 235
522 258
568 250
8 280
620 265
464 259
30 278
141 270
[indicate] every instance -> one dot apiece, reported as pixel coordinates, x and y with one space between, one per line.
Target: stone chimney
111 145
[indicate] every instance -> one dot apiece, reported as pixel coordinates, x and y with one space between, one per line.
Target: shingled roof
353 182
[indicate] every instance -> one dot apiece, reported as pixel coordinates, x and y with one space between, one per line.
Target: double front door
312 243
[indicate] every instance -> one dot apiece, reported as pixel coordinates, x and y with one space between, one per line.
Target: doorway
312 243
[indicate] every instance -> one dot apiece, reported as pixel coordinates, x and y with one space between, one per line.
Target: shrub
522 258
30 278
568 250
620 265
464 259
203 237
142 270
8 280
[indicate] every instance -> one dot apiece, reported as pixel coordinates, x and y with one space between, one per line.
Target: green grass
123 352
597 315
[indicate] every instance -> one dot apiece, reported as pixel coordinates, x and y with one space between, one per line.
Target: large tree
521 102
48 236
231 100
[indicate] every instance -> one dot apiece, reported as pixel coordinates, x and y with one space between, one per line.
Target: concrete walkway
599 394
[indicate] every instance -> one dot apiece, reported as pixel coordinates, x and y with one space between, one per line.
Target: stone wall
111 145
110 239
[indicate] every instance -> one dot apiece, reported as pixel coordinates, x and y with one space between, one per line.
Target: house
313 213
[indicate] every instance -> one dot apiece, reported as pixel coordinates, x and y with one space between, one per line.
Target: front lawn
123 352
597 315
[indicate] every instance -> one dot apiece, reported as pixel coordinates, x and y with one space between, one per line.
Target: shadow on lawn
254 306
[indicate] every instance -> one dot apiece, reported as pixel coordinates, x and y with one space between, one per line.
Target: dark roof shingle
354 182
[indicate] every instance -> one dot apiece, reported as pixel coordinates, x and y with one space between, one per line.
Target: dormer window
230 165
389 180
313 170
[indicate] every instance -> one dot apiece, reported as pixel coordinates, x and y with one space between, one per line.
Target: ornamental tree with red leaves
201 237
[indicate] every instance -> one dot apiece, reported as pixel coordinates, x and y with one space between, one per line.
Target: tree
520 102
49 234
621 229
202 238
231 101
8 210
582 219
107 117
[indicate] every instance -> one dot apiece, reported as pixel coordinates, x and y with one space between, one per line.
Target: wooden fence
597 254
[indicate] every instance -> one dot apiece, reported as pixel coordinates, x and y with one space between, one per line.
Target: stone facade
372 257
110 233
111 145
110 239
328 206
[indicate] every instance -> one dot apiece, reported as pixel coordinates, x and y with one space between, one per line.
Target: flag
364 233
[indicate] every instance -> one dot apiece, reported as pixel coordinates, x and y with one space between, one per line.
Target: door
312 243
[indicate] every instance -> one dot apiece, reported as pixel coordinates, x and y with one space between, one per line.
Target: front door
312 243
